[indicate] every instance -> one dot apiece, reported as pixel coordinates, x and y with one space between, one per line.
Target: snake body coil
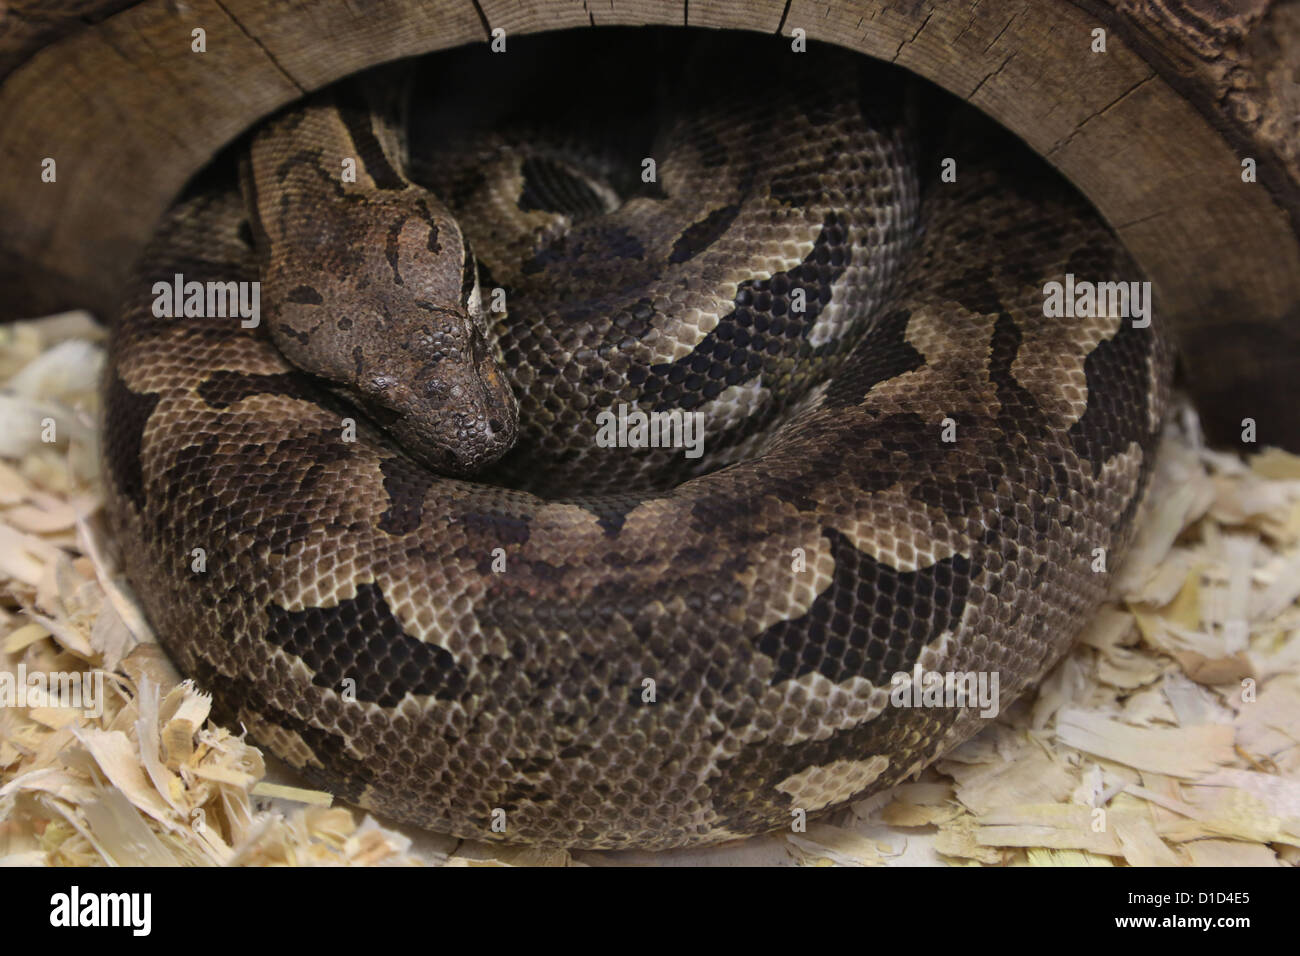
906 464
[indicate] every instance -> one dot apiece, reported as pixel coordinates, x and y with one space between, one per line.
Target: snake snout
443 397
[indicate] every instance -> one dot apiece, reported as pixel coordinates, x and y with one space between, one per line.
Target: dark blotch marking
1117 412
883 354
126 413
360 639
698 236
223 389
392 246
610 511
520 791
872 621
309 158
551 187
798 187
304 295
355 112
1019 413
286 474
494 529
747 780
897 443
760 330
405 485
612 242
973 291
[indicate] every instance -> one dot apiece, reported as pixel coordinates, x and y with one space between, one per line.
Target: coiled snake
385 526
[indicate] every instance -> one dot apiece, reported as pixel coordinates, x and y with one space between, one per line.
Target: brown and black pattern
354 613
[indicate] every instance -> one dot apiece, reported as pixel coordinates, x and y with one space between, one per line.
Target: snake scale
427 584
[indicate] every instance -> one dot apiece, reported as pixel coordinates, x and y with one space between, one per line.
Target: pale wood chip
1180 752
841 845
1141 844
1276 463
1042 856
1031 775
149 662
25 636
1223 853
318 798
221 774
526 856
1216 671
957 838
1053 825
116 756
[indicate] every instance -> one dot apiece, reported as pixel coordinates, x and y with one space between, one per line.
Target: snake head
392 319
438 389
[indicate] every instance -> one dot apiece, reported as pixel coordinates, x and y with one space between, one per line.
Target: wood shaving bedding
1169 736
